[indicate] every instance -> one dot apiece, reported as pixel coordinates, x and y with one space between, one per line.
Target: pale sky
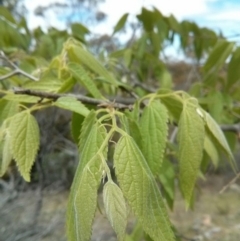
219 15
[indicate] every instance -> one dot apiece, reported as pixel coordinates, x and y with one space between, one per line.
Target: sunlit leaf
121 23
154 129
24 132
83 197
115 207
191 140
140 189
72 104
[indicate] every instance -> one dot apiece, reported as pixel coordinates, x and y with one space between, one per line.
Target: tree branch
82 98
15 71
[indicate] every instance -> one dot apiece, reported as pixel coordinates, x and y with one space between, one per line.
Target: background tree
125 113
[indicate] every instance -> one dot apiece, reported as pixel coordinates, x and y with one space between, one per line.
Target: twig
82 98
230 183
233 128
15 71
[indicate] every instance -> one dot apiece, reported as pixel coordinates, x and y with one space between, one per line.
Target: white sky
198 10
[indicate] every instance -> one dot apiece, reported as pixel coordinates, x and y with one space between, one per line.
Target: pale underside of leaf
83 196
140 189
72 104
24 134
82 76
115 208
191 141
154 129
215 130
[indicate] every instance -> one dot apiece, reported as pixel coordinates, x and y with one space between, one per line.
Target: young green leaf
5 150
8 109
86 128
72 104
121 23
82 76
210 148
22 98
76 124
167 179
215 130
77 53
154 129
191 140
140 189
83 201
115 208
24 132
83 196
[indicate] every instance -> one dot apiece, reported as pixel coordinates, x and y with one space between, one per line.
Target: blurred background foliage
208 69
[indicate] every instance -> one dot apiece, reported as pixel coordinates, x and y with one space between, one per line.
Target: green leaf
167 179
72 104
5 150
191 140
45 84
86 128
215 104
211 149
76 124
8 109
83 196
140 189
154 129
78 53
218 55
24 132
233 73
82 76
22 98
215 130
115 207
174 105
132 128
121 23
83 202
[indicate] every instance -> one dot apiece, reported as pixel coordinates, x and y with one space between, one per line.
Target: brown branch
82 98
15 71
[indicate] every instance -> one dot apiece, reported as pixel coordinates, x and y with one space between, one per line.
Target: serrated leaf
24 132
82 76
45 84
76 124
5 150
86 128
154 129
115 208
167 179
22 98
219 54
83 196
211 149
174 105
132 128
8 109
140 189
72 104
233 73
215 130
83 202
78 53
121 23
191 140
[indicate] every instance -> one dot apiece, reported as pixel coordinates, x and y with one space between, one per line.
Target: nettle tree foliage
128 114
